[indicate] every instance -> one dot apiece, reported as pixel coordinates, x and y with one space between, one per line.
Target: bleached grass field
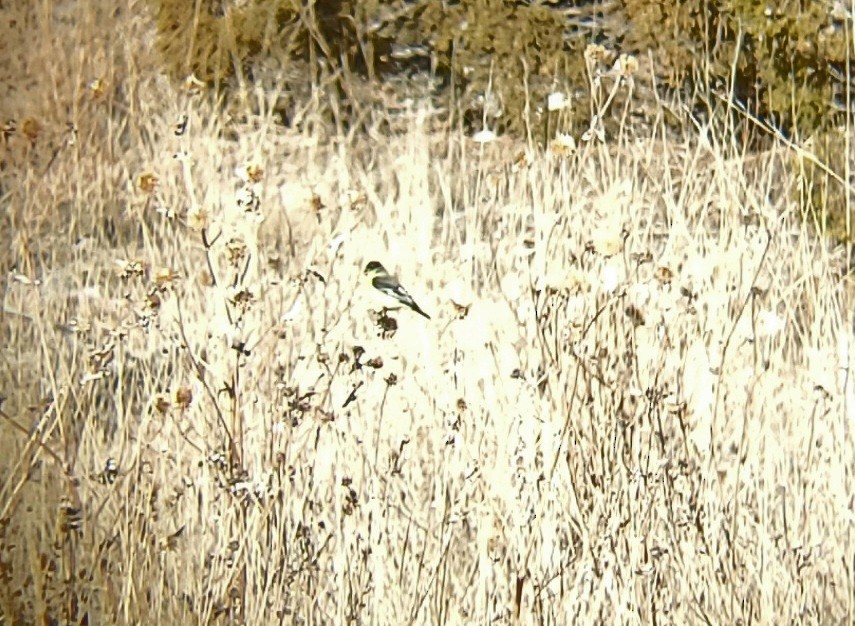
632 404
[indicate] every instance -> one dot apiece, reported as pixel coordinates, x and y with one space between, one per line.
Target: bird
389 286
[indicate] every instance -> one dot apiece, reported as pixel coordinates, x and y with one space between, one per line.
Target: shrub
781 60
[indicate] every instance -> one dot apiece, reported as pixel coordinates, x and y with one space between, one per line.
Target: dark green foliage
779 58
512 51
205 38
515 51
821 193
784 61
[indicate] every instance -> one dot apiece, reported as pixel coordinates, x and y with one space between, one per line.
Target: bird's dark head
372 267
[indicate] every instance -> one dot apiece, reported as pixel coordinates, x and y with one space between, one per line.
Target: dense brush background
632 405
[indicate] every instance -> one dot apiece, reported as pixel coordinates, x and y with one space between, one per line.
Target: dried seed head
31 128
522 160
183 397
97 89
252 172
198 218
193 85
635 315
563 145
153 300
237 250
460 310
626 65
242 299
595 53
147 182
129 269
161 405
163 276
663 275
354 199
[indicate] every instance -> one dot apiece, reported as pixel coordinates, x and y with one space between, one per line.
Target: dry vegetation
632 404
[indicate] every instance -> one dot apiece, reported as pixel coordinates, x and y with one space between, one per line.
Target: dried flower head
664 275
556 101
164 275
198 218
563 145
386 324
251 172
128 269
97 89
354 198
316 203
153 301
147 182
184 397
522 160
635 315
242 299
31 128
626 65
248 200
460 310
161 405
236 248
595 53
193 85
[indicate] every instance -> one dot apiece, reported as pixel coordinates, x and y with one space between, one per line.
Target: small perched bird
389 286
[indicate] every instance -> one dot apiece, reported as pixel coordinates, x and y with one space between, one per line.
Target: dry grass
632 404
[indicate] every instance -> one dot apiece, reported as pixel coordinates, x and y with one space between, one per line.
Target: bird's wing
390 285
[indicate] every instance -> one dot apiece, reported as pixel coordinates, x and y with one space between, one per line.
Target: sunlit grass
632 402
